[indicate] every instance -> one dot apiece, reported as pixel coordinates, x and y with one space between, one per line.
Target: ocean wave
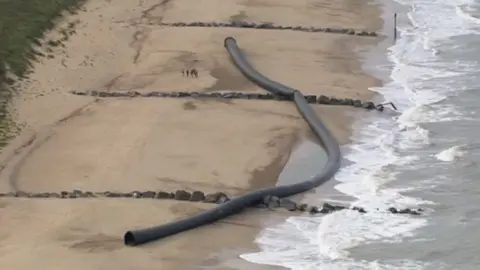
323 243
467 10
452 153
431 114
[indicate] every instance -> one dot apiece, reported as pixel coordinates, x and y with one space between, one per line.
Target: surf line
237 204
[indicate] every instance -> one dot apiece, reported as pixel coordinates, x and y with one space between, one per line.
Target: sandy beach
79 142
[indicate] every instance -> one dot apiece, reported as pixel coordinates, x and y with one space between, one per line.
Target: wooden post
394 28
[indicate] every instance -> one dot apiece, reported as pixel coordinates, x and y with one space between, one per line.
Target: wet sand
73 142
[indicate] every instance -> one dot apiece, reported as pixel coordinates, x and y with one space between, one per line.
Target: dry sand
73 142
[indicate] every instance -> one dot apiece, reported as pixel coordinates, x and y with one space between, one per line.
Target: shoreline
365 53
65 132
369 53
369 58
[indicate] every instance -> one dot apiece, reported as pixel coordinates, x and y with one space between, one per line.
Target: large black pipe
253 75
138 237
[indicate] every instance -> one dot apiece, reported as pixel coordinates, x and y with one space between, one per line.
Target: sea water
425 156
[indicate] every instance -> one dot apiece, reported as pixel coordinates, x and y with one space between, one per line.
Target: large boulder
271 201
357 103
103 94
346 102
72 195
334 101
39 195
409 211
359 209
223 199
197 196
323 99
64 194
254 96
217 197
269 96
302 207
393 210
149 194
368 105
195 94
182 195
242 95
87 194
314 210
79 93
327 208
228 95
21 194
55 195
162 195
311 98
288 204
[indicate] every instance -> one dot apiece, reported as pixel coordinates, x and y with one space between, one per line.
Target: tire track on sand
11 167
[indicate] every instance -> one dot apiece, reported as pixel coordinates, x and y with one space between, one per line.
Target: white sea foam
321 243
420 83
451 154
465 11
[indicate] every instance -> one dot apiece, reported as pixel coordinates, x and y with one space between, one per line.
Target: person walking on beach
190 72
194 73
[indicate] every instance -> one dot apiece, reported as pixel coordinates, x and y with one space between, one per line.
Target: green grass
22 24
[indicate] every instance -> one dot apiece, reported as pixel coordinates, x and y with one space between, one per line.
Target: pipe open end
226 39
129 239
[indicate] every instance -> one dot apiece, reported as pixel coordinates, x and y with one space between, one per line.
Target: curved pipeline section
138 237
253 75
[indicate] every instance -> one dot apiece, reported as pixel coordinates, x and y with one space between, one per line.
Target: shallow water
304 162
427 155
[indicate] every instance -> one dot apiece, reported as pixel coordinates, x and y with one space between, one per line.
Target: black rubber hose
253 75
138 237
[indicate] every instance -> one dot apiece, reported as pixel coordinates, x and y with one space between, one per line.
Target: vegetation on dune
22 25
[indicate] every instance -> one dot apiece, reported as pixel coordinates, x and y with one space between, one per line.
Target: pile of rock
270 202
271 26
273 202
312 99
180 195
